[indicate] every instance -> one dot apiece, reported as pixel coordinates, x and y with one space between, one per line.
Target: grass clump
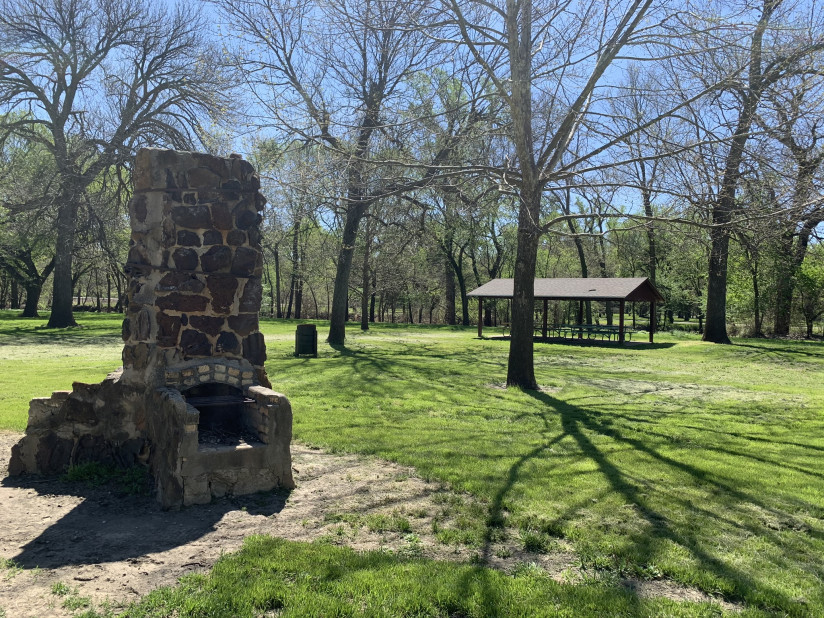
132 481
60 589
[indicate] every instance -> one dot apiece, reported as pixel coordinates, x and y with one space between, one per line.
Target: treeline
413 150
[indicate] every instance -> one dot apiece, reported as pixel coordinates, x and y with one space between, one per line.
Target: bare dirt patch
114 548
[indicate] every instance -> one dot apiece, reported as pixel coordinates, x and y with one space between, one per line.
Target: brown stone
190 198
207 324
79 411
216 258
202 177
252 294
139 356
247 219
194 343
127 356
137 255
260 201
244 323
194 217
227 343
138 207
223 291
168 327
180 282
254 237
222 216
235 238
213 237
243 264
232 184
53 454
185 259
187 238
254 349
171 181
125 329
142 325
169 235
182 302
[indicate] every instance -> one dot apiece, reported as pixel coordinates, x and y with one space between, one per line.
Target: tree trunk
366 293
449 300
62 315
268 276
33 291
652 254
340 295
757 331
278 307
715 328
464 298
15 294
792 256
521 370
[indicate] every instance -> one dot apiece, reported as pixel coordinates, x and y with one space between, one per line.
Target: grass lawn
692 461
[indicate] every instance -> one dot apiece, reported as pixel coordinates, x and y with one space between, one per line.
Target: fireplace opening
225 415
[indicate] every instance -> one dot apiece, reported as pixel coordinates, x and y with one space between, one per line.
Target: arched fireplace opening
226 415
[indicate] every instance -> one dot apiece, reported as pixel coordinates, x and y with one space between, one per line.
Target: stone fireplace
192 400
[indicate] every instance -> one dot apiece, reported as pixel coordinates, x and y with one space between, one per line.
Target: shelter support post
621 322
580 319
543 330
480 317
652 320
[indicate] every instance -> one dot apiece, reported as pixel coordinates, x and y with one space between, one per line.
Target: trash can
306 340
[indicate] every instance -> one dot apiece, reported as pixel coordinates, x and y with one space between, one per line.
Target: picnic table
590 331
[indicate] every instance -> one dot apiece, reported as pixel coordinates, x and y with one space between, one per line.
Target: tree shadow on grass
791 349
578 424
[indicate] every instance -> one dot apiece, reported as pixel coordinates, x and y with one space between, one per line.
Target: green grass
35 360
132 481
697 462
272 577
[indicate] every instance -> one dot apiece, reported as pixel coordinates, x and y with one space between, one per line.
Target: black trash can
306 340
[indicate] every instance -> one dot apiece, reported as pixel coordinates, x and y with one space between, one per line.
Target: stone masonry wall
194 264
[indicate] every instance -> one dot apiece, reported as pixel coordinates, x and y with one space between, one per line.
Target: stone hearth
192 400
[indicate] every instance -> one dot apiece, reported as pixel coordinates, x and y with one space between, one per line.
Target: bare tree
792 116
335 83
765 42
546 61
98 78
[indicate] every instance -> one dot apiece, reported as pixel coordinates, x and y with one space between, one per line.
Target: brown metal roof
605 288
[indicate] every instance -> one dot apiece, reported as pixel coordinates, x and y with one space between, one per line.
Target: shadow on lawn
577 423
108 526
589 343
97 335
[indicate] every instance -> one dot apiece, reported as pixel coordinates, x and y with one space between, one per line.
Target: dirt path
113 548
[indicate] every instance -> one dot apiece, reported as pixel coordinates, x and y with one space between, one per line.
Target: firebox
192 400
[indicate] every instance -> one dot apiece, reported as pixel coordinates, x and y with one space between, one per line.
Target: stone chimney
192 400
195 268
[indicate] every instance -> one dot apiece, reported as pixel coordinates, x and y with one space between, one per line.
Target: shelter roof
590 288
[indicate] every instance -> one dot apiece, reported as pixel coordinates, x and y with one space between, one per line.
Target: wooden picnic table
590 330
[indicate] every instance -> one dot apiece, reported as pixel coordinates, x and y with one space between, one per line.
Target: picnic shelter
615 289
